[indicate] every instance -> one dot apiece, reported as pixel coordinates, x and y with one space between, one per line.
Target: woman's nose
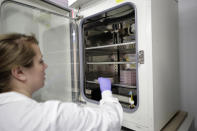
45 65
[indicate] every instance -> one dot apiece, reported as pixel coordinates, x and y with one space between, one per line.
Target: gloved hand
105 84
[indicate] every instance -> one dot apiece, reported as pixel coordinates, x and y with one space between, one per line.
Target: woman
22 72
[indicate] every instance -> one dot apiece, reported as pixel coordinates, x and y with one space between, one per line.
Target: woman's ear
18 73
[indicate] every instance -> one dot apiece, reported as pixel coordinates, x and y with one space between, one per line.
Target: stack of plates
128 77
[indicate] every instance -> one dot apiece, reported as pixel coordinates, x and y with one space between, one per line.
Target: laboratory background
187 54
146 47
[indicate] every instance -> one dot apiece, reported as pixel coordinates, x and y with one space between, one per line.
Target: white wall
188 55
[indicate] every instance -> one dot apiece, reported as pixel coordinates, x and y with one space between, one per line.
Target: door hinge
78 17
141 57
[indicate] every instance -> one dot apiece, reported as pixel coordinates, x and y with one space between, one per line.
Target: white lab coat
20 113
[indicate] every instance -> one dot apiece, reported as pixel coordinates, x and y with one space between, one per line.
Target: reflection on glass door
53 33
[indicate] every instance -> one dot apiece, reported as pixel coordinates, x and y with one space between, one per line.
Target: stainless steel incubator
134 43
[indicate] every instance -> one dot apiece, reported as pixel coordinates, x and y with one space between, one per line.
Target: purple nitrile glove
105 84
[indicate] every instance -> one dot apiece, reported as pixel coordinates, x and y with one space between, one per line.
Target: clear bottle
131 101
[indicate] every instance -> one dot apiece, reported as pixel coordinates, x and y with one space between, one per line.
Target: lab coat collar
12 96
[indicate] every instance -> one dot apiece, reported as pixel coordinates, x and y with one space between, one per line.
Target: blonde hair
15 50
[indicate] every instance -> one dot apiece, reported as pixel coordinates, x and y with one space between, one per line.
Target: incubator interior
109 40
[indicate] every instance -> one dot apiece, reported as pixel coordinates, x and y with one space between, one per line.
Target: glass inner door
110 50
53 31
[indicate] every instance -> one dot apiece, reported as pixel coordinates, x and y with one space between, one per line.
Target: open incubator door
55 30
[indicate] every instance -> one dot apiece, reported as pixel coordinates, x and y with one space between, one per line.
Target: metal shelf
127 86
120 85
114 45
122 98
109 51
112 63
